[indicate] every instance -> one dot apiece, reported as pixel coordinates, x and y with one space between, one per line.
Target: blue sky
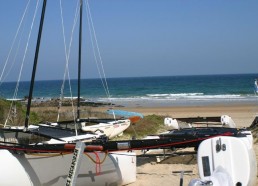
139 38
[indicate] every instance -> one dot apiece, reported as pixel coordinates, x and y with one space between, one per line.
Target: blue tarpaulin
124 113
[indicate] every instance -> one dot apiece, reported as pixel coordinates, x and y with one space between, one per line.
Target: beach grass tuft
150 124
15 112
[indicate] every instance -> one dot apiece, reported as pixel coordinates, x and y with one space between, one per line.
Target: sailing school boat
99 126
41 155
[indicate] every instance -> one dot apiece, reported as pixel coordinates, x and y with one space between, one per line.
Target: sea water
147 91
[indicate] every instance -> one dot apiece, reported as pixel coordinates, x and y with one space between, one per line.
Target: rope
8 56
22 64
97 162
67 57
94 44
93 35
14 59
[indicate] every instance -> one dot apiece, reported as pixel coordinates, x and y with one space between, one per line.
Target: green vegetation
16 113
151 124
4 105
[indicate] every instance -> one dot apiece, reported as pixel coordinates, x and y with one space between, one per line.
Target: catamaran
40 155
226 161
46 155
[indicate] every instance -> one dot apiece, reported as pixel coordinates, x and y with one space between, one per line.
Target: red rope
98 167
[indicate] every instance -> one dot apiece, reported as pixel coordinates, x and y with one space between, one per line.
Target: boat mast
79 64
35 64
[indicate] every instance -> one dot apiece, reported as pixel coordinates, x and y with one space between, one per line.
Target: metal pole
35 64
79 64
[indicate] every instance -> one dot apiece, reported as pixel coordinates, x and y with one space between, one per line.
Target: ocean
148 91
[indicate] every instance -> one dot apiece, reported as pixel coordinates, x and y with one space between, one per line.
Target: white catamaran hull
110 129
229 160
36 169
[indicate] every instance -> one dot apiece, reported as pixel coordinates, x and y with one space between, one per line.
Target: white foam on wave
174 95
181 96
193 96
14 99
180 99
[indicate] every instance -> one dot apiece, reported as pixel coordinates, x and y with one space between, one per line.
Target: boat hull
229 156
52 169
110 129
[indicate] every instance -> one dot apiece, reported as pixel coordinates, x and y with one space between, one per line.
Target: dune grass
151 124
16 112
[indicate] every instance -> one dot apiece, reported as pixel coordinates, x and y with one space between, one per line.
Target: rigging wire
96 53
95 45
15 55
14 40
67 58
97 57
22 64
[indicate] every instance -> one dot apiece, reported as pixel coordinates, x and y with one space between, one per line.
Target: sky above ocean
135 38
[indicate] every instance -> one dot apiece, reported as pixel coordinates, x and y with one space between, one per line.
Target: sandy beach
152 173
177 59
149 172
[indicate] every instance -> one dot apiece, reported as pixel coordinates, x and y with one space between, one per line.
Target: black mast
79 64
35 64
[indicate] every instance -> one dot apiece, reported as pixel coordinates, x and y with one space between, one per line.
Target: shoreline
242 113
149 102
183 102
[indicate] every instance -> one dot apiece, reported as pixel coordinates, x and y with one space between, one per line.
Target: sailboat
103 126
99 126
46 155
42 155
256 86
